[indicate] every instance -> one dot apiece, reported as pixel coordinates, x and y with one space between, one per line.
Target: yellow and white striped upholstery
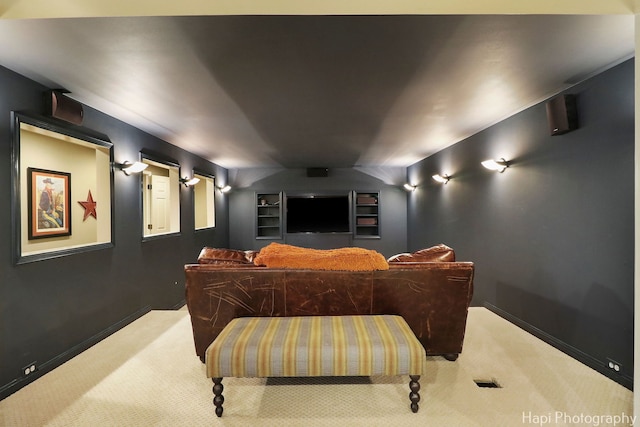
315 346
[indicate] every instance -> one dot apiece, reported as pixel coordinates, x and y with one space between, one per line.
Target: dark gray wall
51 310
393 211
552 236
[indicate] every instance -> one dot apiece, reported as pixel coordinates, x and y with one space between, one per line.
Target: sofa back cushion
437 253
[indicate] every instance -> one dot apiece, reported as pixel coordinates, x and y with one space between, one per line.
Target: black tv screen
317 214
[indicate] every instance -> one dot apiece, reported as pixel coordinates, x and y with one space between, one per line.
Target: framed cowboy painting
49 194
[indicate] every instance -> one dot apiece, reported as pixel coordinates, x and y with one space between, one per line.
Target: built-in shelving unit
366 215
268 215
365 211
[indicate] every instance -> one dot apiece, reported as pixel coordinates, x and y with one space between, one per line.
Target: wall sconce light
409 187
189 182
496 165
225 189
129 168
442 179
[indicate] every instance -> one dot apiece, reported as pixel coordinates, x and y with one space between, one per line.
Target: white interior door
160 202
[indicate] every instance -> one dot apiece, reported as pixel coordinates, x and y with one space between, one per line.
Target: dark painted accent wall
393 211
552 237
53 309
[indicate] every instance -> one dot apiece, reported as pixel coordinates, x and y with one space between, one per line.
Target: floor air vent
487 383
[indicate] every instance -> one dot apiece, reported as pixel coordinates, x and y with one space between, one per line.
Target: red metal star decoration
89 207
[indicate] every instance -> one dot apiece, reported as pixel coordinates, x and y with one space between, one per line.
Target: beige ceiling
306 91
85 8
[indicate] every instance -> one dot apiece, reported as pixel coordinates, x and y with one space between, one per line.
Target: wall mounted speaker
62 107
562 114
317 172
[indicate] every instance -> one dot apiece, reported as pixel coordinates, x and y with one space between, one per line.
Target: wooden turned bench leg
414 396
218 398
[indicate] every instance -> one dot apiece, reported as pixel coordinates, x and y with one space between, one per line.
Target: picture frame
49 202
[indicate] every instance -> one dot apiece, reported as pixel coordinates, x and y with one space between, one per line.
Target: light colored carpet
147 374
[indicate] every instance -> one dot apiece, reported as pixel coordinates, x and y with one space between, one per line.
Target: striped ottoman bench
315 346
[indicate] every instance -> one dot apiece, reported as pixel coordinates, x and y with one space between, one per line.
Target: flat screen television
317 214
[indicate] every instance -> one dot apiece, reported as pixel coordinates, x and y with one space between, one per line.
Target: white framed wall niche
160 197
204 206
62 189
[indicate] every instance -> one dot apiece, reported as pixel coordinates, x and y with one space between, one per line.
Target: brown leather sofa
427 288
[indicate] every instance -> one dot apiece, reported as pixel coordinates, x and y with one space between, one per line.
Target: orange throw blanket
277 255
